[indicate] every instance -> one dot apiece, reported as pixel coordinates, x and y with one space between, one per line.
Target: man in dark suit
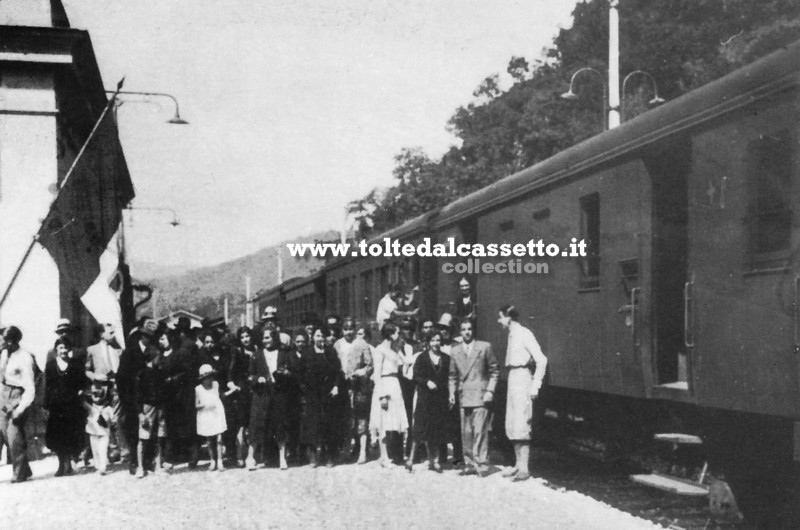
131 362
474 372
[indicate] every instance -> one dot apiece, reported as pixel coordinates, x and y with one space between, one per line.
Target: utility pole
280 264
613 65
248 318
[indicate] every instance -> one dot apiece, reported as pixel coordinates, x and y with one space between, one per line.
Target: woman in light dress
388 411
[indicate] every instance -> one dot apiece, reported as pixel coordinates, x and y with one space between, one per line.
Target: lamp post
126 296
611 94
572 96
657 100
613 65
175 120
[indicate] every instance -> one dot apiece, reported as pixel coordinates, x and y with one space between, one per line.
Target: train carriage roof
758 80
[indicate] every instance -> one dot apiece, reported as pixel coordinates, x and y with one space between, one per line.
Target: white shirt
386 307
17 370
522 346
272 360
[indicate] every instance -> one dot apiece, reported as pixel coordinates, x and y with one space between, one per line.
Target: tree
683 44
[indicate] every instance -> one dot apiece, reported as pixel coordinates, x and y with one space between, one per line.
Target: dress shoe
520 477
483 473
468 471
435 467
510 472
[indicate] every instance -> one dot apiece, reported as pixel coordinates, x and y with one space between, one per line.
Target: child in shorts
152 424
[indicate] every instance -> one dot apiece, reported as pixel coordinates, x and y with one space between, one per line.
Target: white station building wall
28 174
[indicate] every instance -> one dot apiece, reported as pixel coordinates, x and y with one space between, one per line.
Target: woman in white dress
523 387
210 415
388 411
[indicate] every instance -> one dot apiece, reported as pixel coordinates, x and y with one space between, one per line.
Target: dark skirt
321 420
180 415
280 412
66 424
237 409
432 418
259 416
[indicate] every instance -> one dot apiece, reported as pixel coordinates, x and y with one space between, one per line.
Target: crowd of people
262 397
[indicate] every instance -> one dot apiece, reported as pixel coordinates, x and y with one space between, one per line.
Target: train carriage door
670 285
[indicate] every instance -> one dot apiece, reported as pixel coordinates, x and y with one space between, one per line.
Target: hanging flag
81 229
103 296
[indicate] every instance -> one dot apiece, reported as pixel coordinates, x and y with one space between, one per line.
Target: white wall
28 169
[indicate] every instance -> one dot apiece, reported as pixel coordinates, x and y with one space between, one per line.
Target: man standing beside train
474 372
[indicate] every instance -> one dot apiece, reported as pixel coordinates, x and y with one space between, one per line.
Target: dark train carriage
297 301
268 297
685 306
356 285
304 300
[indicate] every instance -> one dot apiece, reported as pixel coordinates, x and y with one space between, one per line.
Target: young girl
99 418
210 415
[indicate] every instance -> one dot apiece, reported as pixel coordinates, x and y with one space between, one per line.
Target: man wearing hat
64 328
131 362
270 320
102 364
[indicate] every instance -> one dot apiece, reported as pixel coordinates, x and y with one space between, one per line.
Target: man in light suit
474 372
102 363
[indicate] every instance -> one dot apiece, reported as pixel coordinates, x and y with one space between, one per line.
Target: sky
296 107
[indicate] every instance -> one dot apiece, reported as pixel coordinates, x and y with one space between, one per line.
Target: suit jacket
131 362
472 376
360 357
98 364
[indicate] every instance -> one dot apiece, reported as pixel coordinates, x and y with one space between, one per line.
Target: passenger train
683 314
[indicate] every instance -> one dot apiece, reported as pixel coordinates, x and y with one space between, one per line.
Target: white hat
205 371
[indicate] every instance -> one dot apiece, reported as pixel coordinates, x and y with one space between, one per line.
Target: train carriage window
769 214
383 281
344 297
332 298
366 291
590 234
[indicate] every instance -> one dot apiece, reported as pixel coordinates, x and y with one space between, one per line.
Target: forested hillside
203 291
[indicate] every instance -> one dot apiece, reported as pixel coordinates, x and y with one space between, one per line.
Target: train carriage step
671 484
678 438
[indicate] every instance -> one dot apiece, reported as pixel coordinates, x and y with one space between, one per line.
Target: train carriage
682 314
356 285
688 293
